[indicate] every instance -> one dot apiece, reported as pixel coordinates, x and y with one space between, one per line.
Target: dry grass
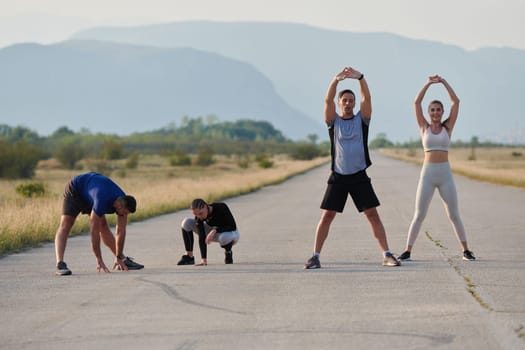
504 166
158 188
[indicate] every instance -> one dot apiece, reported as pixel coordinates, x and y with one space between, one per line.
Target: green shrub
244 161
205 156
111 149
31 189
380 142
133 161
100 166
263 161
304 151
69 153
18 160
179 158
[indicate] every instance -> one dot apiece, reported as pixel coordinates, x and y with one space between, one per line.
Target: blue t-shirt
349 144
99 191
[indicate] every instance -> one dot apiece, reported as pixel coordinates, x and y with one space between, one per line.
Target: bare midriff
436 156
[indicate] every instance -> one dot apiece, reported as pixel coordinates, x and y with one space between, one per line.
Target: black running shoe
228 257
62 269
132 265
313 263
405 256
186 260
468 255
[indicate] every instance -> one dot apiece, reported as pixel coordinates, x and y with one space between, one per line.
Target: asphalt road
265 300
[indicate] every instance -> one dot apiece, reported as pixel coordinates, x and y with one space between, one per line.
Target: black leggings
187 237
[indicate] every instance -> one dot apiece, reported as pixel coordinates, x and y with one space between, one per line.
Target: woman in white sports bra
436 171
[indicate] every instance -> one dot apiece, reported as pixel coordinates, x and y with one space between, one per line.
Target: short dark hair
129 202
342 92
198 203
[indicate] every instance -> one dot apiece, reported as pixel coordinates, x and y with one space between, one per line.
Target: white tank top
435 142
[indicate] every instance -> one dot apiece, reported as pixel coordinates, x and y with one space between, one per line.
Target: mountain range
141 78
122 88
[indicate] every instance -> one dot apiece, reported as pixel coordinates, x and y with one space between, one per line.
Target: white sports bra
435 142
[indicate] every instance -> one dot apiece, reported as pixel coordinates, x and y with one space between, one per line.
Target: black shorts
73 203
359 187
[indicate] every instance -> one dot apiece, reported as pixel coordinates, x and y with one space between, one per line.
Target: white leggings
223 238
436 175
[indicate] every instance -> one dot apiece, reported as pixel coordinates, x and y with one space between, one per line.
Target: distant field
505 166
158 187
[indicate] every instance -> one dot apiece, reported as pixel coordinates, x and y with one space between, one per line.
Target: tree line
22 148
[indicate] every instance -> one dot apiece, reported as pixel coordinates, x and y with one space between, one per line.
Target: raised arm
454 108
329 103
366 99
420 117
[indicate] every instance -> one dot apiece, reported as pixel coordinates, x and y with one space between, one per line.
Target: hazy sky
467 23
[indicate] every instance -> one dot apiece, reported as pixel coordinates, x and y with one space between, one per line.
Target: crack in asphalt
471 286
171 292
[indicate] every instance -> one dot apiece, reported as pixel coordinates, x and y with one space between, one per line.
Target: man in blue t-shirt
96 195
350 158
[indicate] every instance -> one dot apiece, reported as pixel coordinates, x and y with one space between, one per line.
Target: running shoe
62 269
390 260
228 257
405 256
132 265
468 255
186 260
313 263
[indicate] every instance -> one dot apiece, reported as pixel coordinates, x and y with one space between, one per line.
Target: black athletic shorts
359 187
73 203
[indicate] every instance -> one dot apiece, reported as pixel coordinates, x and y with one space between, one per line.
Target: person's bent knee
228 237
224 240
188 224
